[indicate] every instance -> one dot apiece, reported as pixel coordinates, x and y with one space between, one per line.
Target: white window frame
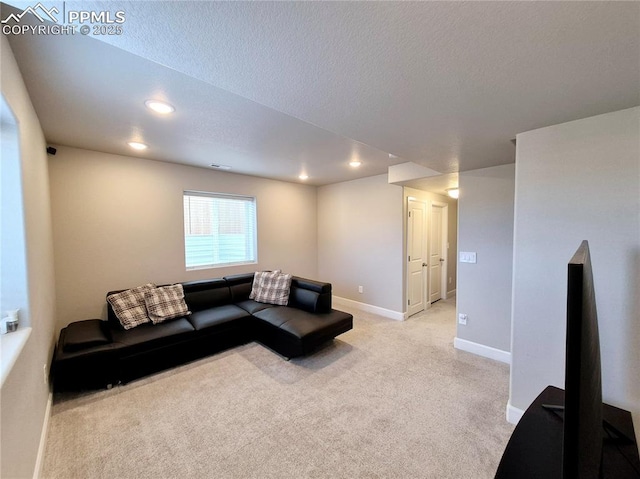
14 277
251 243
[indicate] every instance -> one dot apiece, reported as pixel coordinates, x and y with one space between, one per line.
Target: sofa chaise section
298 328
295 333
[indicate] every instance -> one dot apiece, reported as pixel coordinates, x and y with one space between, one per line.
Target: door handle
441 260
424 265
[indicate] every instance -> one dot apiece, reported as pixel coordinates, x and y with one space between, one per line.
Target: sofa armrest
309 295
84 335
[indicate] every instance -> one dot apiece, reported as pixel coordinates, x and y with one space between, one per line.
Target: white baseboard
513 413
451 293
482 350
368 308
37 472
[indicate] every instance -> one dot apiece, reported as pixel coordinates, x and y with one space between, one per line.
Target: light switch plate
467 257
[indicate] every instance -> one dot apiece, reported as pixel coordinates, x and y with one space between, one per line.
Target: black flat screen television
597 439
583 426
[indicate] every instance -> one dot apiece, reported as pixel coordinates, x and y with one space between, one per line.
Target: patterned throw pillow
258 278
275 289
166 302
129 306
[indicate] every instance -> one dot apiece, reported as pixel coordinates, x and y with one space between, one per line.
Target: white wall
24 394
485 226
360 241
575 181
119 223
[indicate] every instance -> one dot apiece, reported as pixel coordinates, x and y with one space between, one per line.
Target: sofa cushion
206 294
129 306
274 289
166 302
251 306
310 326
149 336
217 318
240 286
86 334
304 325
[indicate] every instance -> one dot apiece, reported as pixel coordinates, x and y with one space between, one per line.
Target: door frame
445 242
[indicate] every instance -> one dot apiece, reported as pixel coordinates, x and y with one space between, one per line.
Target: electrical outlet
449 279
462 319
360 289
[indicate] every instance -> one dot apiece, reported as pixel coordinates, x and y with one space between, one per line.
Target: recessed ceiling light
220 167
303 177
355 163
453 192
392 156
136 145
159 106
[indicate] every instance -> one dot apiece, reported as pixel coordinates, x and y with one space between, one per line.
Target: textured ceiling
91 95
446 85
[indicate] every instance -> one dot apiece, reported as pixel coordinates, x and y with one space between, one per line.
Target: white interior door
436 256
417 255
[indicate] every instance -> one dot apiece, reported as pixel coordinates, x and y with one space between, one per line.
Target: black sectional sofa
96 354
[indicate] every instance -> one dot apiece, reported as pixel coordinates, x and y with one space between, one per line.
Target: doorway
427 249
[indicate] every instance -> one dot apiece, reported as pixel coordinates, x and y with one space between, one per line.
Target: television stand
611 432
535 447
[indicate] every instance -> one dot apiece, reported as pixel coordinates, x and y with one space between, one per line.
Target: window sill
11 345
219 265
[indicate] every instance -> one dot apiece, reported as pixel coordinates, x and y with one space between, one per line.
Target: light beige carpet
389 399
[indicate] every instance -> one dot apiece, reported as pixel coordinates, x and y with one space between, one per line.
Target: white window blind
219 229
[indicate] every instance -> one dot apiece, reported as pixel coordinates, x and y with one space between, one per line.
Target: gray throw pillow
129 306
166 302
258 278
275 289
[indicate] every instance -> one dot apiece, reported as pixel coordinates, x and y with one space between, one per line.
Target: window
14 292
219 230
